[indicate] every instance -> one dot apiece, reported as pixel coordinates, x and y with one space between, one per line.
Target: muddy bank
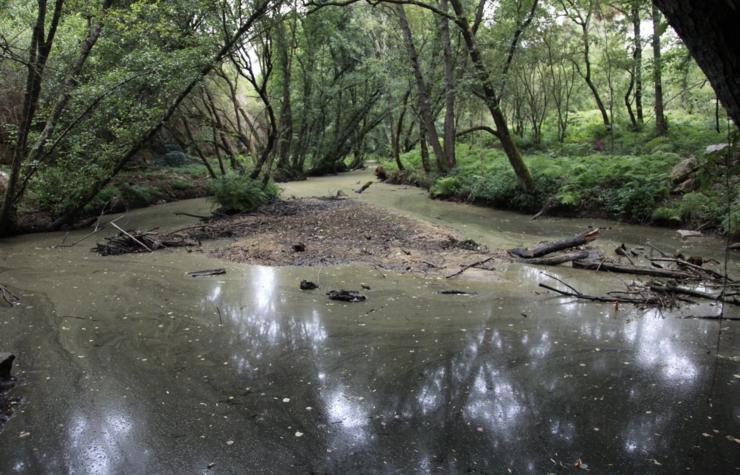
330 231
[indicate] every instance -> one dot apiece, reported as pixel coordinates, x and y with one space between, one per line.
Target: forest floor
330 231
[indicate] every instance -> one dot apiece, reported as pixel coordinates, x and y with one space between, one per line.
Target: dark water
125 366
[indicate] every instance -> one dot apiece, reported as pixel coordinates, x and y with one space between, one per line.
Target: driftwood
364 187
456 292
554 246
203 273
346 295
558 259
607 266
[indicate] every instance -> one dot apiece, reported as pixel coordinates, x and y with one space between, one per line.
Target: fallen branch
695 267
554 246
364 187
600 298
607 266
191 215
478 263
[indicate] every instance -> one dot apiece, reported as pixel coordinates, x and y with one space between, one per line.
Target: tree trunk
425 107
423 149
587 76
661 126
37 56
491 99
286 115
449 66
637 57
709 30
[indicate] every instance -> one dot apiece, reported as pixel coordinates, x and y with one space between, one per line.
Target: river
127 365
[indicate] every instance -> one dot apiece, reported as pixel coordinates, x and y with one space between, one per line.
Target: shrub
237 193
698 208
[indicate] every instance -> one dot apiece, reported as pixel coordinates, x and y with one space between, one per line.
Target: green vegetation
239 193
107 103
630 181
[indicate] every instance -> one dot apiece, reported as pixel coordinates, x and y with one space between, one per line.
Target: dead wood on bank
684 279
126 242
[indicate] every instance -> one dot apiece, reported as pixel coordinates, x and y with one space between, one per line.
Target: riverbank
661 188
129 190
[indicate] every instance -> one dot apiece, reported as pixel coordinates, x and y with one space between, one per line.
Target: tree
709 30
581 13
661 126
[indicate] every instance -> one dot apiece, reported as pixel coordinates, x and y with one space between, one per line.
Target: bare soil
331 231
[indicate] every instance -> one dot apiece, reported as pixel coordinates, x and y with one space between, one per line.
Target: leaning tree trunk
425 108
661 126
491 100
709 30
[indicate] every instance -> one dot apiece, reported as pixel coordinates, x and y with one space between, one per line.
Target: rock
308 285
684 233
683 169
346 295
6 365
686 186
3 183
715 149
299 247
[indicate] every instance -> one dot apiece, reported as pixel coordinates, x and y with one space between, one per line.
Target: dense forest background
566 106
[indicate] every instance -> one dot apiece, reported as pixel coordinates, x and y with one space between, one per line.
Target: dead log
203 273
557 259
606 266
364 187
554 246
346 295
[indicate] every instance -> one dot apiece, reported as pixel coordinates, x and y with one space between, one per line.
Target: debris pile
676 279
126 242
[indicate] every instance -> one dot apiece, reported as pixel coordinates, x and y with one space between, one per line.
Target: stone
6 365
683 169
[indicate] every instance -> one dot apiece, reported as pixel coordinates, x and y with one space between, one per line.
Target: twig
97 228
655 248
199 216
469 266
220 320
8 296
